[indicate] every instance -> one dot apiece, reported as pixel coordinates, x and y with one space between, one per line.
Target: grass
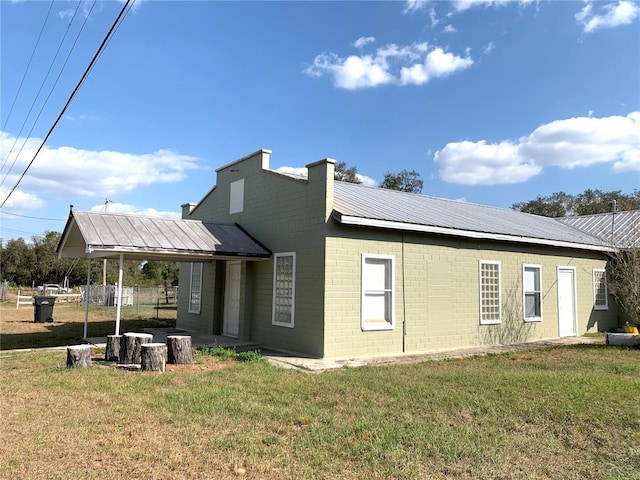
18 330
556 413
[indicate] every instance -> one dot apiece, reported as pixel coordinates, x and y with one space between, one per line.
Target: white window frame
195 288
525 292
368 324
483 319
292 297
596 305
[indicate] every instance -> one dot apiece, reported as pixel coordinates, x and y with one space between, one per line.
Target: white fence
63 297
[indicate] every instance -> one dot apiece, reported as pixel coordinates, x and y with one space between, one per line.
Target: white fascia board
369 222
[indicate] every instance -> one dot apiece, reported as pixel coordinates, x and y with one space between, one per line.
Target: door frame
228 286
574 299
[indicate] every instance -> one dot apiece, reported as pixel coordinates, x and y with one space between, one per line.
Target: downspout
404 303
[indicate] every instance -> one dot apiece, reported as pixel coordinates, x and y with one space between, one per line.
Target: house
358 271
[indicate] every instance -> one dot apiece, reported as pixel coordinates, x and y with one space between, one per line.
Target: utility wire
26 70
33 126
34 218
71 97
33 104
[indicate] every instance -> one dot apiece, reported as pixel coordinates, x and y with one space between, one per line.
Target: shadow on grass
60 334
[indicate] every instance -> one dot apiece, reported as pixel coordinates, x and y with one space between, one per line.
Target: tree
405 181
555 205
17 263
624 268
589 202
344 174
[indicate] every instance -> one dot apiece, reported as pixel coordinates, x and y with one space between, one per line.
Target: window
284 289
236 196
600 292
377 292
195 288
532 292
490 307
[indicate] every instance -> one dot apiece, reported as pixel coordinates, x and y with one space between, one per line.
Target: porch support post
119 294
86 299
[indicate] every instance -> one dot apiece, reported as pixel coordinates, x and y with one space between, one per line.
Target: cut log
130 347
112 353
179 349
153 357
78 356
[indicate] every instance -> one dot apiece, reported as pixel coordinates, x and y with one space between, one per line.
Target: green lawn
557 413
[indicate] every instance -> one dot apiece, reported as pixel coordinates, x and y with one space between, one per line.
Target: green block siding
286 215
204 321
438 298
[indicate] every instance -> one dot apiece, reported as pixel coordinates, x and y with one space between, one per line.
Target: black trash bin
43 308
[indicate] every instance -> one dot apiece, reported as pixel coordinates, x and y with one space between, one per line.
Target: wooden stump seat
78 356
153 357
179 349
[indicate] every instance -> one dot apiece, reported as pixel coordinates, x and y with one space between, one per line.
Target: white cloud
611 15
115 207
392 64
412 6
449 29
571 143
20 202
303 172
362 41
91 173
462 5
489 47
437 63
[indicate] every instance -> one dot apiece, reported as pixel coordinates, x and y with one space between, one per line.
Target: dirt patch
203 363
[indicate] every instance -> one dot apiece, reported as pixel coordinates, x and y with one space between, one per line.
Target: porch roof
109 235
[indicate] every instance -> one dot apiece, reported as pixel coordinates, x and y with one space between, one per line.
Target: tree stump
179 349
153 357
130 347
112 353
78 356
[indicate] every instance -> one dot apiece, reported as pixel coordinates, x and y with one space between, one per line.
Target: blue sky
492 102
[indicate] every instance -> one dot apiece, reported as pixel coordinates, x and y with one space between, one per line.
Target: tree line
34 264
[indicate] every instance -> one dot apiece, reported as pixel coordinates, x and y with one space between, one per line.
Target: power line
26 70
34 218
73 94
50 91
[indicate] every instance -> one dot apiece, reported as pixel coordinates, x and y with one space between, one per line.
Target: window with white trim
377 292
195 288
600 291
532 292
284 289
490 298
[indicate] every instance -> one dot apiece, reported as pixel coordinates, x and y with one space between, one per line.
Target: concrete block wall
287 215
437 292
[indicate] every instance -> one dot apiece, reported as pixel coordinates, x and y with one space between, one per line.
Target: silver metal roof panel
621 229
97 234
358 204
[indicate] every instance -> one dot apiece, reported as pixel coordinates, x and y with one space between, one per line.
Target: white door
567 302
232 299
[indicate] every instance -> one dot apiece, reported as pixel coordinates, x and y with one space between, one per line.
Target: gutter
391 225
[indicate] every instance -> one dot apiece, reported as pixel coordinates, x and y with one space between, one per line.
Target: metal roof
377 207
107 235
621 229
